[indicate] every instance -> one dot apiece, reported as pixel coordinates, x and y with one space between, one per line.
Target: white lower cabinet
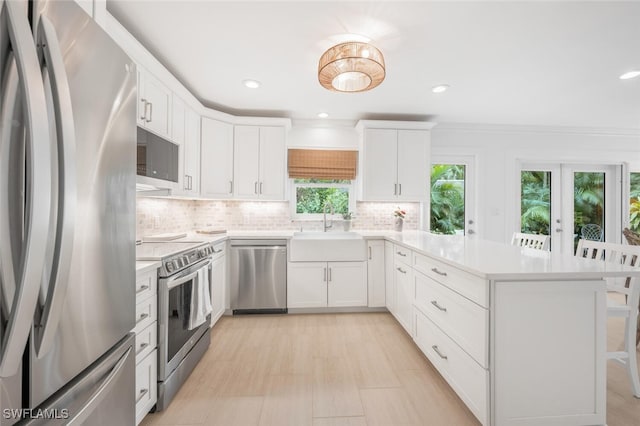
218 282
404 296
326 284
389 275
376 273
146 330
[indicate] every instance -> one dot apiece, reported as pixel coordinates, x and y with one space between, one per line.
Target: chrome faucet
324 217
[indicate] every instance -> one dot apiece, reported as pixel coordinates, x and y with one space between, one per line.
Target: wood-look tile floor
331 370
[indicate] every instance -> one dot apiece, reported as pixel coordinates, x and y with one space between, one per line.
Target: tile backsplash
161 215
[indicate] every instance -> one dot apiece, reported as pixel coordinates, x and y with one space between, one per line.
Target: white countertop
483 258
146 265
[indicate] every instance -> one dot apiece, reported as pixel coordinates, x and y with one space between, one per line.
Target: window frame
293 202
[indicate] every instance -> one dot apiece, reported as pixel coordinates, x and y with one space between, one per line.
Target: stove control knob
185 260
169 266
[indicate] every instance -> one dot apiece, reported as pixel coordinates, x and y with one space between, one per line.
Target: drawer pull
437 305
142 288
142 346
401 254
141 395
401 270
444 274
142 318
435 348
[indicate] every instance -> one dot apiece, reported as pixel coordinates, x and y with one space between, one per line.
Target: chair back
615 253
591 231
535 241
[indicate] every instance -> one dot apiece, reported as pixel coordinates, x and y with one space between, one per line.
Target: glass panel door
540 201
634 201
451 202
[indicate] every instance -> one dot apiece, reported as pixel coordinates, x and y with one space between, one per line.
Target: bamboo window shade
322 164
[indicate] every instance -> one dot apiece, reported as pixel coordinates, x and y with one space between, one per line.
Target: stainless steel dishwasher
258 276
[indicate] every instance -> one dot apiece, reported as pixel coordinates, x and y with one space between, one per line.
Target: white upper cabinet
192 153
216 161
258 162
154 105
178 116
394 161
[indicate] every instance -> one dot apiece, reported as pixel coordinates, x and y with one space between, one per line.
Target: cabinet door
404 296
272 164
380 164
246 153
157 111
178 120
376 273
218 286
413 165
390 277
307 285
192 151
347 284
216 167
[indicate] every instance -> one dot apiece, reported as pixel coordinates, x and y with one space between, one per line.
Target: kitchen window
309 197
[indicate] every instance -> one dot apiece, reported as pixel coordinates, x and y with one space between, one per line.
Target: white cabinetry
389 277
326 284
191 173
404 287
376 273
145 343
154 104
259 162
394 158
218 281
216 167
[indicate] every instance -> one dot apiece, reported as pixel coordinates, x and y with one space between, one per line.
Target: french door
452 204
571 201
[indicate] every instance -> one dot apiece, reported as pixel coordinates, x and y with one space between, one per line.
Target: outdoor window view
313 194
588 206
535 202
634 203
447 198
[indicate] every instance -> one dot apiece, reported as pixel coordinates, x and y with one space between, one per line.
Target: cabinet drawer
146 313
146 341
402 254
468 379
462 320
470 286
146 285
146 385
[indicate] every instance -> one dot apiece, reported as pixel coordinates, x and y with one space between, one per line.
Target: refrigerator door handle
67 194
37 195
103 390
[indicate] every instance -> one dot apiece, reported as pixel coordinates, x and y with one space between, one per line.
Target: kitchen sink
327 247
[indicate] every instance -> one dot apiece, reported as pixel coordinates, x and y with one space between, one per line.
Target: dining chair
535 241
591 231
630 288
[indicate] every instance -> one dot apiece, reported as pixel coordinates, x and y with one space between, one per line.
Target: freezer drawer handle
435 348
21 289
437 305
142 318
142 288
105 388
141 395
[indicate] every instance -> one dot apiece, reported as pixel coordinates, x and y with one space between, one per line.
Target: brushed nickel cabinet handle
444 274
142 318
142 346
401 254
437 305
369 253
143 117
142 288
401 270
141 395
435 348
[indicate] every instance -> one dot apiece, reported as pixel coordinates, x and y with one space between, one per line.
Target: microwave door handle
37 194
67 192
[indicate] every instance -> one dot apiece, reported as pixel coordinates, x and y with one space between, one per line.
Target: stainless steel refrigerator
67 218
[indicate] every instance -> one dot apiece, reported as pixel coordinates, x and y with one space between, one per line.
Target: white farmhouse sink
327 247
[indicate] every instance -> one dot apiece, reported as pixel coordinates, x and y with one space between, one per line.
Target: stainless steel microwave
157 158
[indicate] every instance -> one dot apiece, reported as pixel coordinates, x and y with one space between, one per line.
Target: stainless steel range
184 310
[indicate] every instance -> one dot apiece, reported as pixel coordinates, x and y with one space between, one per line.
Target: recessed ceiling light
323 115
439 89
630 74
251 84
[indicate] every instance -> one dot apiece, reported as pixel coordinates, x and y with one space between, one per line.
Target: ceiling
533 63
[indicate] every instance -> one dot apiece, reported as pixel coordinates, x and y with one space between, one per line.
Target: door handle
401 254
142 346
471 232
143 117
329 274
395 189
142 318
437 305
401 270
230 187
38 199
435 348
141 395
444 274
67 198
255 187
150 112
324 277
399 189
558 229
369 252
142 288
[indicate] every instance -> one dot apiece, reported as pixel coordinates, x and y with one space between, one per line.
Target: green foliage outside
634 203
588 199
535 202
312 199
447 198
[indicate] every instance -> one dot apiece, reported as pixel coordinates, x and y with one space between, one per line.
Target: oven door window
178 321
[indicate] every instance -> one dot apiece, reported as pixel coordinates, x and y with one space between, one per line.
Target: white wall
499 149
332 134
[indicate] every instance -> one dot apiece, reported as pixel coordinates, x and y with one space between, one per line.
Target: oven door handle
179 280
